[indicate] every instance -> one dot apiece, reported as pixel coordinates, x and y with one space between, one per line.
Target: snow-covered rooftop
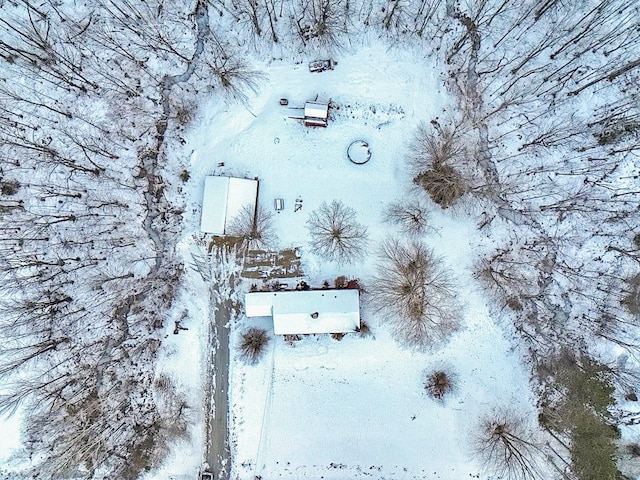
224 198
307 311
316 110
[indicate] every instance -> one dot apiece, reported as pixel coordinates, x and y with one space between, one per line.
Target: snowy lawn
380 104
326 409
357 408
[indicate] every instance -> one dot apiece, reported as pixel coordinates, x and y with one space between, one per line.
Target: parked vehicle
321 65
206 473
206 476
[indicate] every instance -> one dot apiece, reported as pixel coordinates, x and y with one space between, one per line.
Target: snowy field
356 408
380 103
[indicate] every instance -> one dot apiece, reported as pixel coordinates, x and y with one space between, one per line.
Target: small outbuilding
224 198
307 311
316 114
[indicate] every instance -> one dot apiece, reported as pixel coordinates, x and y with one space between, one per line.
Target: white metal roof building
316 114
307 311
224 198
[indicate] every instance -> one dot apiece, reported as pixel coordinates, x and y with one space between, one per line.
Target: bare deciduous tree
507 448
255 228
431 155
411 217
80 332
434 145
252 344
414 292
335 233
320 21
440 383
233 73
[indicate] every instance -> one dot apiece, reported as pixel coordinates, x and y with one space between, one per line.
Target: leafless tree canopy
255 228
434 145
234 75
335 233
507 448
415 294
320 22
87 270
252 344
440 383
411 217
433 153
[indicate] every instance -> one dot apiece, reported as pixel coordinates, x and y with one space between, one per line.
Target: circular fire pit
358 152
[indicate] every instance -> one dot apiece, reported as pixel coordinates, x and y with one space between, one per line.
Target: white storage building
316 114
224 198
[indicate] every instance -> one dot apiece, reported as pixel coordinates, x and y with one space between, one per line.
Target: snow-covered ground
184 358
10 438
559 164
381 97
356 408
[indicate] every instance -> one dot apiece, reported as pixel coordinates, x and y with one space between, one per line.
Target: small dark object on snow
277 286
178 328
284 101
353 284
314 315
303 286
321 65
364 329
289 339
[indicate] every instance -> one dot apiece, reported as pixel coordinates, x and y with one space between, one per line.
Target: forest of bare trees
550 91
87 267
94 94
